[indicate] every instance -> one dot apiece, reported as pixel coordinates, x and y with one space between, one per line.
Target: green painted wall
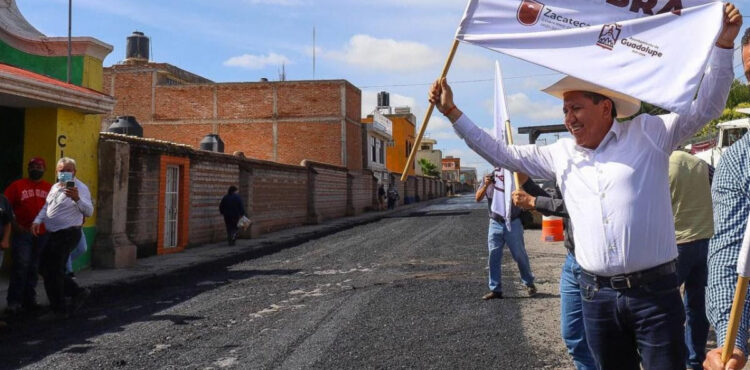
55 67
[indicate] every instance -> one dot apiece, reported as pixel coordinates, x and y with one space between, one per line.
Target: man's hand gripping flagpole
428 114
735 316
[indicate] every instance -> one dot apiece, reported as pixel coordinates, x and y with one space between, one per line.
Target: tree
739 97
428 168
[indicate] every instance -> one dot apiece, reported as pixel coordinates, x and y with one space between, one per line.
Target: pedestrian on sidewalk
501 233
27 197
67 203
232 209
550 203
694 226
381 197
392 196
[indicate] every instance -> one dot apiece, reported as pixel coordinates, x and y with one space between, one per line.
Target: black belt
501 219
635 279
72 228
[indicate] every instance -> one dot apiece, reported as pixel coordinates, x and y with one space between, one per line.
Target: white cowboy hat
626 106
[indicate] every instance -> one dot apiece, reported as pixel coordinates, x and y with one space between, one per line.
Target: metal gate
171 202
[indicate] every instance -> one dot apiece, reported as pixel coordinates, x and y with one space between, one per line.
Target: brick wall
143 196
279 196
276 195
364 191
329 190
209 183
285 122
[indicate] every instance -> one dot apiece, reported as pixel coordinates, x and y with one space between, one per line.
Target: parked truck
729 133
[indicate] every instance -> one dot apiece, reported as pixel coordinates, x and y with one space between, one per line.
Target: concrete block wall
363 191
329 190
278 197
209 182
143 197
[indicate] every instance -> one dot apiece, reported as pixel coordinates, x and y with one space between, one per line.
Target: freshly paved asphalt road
402 292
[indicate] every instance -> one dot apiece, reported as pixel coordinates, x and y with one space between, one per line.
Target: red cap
37 160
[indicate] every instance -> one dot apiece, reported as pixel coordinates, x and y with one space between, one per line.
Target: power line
460 81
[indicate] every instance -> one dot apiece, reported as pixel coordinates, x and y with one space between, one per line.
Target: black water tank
137 47
384 99
213 143
126 125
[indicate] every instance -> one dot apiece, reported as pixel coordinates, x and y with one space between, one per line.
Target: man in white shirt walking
67 203
613 176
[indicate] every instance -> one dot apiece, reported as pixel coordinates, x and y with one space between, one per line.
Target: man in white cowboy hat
613 176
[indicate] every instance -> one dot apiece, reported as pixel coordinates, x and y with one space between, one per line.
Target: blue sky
394 45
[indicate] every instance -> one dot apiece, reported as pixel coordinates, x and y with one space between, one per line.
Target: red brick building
284 122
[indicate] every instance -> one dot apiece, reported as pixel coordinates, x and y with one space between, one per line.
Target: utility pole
70 21
313 52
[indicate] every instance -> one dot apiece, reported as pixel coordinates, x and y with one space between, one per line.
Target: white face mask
64 176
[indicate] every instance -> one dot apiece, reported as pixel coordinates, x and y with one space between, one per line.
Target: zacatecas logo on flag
529 12
590 39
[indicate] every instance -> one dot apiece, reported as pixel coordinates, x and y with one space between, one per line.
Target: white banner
743 265
655 51
503 179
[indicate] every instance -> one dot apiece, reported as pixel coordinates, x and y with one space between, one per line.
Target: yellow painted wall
40 134
396 156
92 73
78 138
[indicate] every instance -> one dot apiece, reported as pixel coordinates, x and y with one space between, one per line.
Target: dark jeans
635 325
692 269
24 272
232 229
54 257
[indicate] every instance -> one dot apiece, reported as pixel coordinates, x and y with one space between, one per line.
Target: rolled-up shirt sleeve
529 159
708 105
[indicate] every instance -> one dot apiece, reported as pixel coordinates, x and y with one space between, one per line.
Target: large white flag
743 264
504 183
655 51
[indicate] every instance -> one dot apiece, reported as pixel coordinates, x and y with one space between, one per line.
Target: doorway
11 140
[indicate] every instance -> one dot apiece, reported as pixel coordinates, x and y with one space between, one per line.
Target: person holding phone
67 203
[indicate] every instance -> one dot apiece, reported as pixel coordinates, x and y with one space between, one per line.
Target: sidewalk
213 254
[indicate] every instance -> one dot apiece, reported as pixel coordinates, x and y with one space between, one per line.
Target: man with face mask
26 196
67 203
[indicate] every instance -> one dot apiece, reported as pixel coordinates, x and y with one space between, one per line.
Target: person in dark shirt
550 203
232 209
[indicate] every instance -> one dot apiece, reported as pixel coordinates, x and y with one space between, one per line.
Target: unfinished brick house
285 121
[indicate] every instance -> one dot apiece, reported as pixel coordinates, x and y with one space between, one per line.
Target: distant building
377 134
427 151
468 177
285 121
451 169
403 133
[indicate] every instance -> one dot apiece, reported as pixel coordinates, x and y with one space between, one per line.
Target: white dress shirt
617 195
61 212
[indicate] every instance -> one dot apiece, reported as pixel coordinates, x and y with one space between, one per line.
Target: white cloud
250 61
370 100
519 105
368 52
473 62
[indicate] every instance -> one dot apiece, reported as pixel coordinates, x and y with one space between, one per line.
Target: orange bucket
552 229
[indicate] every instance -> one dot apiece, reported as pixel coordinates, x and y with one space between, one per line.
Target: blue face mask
64 176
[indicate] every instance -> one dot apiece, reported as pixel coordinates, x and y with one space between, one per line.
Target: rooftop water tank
126 125
213 143
137 48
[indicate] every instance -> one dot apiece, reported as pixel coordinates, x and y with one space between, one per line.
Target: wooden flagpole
734 318
509 139
428 114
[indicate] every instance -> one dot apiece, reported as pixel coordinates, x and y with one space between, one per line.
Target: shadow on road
27 340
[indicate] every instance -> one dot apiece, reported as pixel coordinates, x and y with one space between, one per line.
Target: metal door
171 202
